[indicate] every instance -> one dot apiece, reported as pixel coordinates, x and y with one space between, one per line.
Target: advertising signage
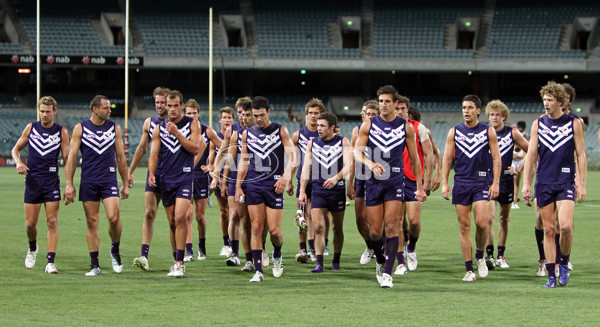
97 61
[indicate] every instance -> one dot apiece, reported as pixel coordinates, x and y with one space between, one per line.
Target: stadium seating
525 30
297 30
66 26
416 30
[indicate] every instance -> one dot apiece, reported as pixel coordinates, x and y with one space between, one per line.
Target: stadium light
346 108
393 72
578 109
566 76
468 24
24 70
113 106
349 23
470 73
303 83
303 71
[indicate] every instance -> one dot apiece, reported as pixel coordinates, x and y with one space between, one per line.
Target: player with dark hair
100 141
200 192
300 139
471 141
177 140
554 139
264 144
385 137
45 140
356 184
508 137
326 164
151 194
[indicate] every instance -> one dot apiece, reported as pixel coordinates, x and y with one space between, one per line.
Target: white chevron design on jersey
151 129
170 141
470 146
504 144
386 141
554 140
44 145
302 142
263 148
328 155
98 143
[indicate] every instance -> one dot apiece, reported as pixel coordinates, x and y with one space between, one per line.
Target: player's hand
427 188
351 192
526 192
213 184
152 180
22 168
130 176
376 168
512 170
290 188
240 197
124 192
446 192
302 198
421 195
224 188
580 192
172 129
69 195
494 191
280 185
330 183
436 183
205 169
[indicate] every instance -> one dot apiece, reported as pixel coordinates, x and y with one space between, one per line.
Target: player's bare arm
71 164
305 175
351 191
140 152
121 162
529 164
242 170
447 163
359 150
415 164
153 159
298 165
496 162
288 148
581 160
16 150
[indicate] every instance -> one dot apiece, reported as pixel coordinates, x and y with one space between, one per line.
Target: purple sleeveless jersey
266 155
327 161
472 151
556 150
44 149
386 147
177 161
98 163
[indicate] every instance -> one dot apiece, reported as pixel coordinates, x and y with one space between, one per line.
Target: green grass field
213 294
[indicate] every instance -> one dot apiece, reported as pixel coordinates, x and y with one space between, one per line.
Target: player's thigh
112 206
565 210
52 208
274 218
413 210
32 212
480 212
201 205
92 211
463 214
